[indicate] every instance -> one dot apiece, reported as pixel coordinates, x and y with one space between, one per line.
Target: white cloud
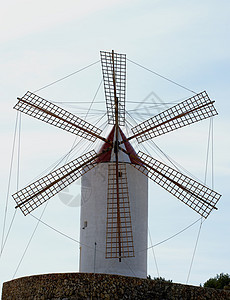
41 42
24 17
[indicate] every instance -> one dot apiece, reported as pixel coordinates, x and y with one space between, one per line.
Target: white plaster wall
93 211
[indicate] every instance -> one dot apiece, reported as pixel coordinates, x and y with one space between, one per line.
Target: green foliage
221 281
159 279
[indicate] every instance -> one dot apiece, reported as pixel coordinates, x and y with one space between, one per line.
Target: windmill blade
119 236
46 187
196 195
48 112
114 76
192 110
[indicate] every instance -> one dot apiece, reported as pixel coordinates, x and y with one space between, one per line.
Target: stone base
70 286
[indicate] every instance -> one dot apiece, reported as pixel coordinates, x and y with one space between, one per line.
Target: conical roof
110 155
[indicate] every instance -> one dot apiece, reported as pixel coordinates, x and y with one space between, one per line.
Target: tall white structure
95 254
114 211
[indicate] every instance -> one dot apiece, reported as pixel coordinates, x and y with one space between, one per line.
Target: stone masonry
70 286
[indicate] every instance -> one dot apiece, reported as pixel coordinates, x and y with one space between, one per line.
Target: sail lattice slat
35 194
119 236
48 112
120 85
194 194
192 110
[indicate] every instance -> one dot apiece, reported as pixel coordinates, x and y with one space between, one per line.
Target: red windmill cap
109 155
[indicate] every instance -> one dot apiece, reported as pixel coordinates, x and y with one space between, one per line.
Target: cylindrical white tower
94 217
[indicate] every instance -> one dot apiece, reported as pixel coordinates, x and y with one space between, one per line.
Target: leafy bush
159 279
219 282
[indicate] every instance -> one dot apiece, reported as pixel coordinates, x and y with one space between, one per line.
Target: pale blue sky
187 41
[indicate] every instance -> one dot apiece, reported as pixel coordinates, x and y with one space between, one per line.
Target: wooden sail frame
119 235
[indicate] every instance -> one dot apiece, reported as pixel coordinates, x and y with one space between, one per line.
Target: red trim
106 157
129 148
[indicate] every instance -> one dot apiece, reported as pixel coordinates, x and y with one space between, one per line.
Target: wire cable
64 234
9 182
17 183
154 255
194 252
153 145
93 100
163 77
39 220
59 232
8 232
130 268
67 76
148 248
210 136
155 245
73 146
172 236
210 140
212 153
19 150
28 244
207 152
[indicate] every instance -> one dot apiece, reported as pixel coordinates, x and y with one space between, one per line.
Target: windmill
114 220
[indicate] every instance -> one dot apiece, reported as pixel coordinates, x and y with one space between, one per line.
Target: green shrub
159 279
219 282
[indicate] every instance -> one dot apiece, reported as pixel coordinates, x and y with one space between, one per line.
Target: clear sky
186 41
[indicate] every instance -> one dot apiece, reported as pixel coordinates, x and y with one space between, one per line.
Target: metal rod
172 119
168 178
94 259
64 176
62 119
116 156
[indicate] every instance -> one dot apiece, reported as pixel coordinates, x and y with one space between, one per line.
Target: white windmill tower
114 228
114 219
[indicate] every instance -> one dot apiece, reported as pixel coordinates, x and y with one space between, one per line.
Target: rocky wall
69 286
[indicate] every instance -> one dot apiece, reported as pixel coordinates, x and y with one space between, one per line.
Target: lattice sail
192 110
48 112
119 236
108 70
194 194
35 194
